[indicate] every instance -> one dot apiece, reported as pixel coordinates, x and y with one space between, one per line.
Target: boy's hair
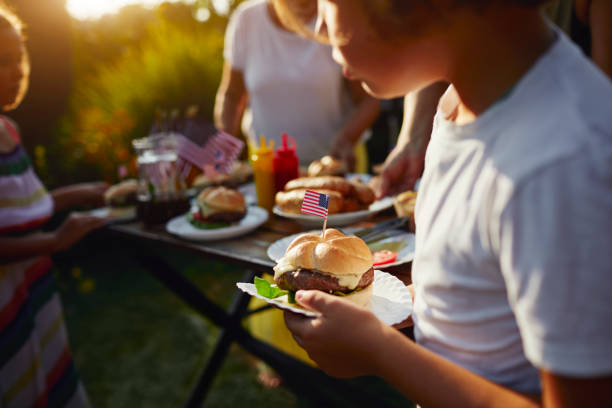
386 15
10 20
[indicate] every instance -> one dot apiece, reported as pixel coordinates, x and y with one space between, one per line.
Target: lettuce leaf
268 290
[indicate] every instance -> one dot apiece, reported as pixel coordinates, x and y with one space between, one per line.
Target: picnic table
247 252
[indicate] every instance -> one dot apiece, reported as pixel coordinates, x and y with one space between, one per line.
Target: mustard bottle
262 160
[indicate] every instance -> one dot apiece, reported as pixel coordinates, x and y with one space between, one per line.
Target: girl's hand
344 340
74 228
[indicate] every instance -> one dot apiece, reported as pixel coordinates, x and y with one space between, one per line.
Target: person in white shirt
291 84
514 215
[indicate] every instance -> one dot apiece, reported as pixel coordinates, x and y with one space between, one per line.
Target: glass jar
161 193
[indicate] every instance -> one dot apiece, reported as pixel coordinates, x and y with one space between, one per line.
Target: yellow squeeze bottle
262 159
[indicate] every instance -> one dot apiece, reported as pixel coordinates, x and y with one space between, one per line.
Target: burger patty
224 217
309 279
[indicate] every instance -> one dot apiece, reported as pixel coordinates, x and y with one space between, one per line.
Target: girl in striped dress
36 367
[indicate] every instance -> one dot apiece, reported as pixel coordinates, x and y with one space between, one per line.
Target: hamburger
218 205
337 264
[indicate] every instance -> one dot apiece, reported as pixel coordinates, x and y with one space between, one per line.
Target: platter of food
218 213
340 265
350 201
393 248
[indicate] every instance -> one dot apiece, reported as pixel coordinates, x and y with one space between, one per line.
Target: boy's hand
74 228
344 340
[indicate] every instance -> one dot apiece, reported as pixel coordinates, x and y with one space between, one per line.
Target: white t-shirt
513 266
293 83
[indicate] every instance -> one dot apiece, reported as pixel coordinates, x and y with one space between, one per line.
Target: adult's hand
74 229
344 150
399 172
343 340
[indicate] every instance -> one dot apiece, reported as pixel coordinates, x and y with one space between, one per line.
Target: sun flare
89 9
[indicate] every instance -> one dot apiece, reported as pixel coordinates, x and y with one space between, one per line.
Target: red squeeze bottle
285 164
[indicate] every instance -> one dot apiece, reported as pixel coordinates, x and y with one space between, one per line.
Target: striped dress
36 367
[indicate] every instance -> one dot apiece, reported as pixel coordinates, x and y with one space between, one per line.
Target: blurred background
101 68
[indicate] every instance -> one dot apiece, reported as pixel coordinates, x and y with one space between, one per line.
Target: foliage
127 66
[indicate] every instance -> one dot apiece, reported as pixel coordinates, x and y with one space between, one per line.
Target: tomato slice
384 257
196 216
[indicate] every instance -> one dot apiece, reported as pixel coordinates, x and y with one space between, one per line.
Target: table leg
229 332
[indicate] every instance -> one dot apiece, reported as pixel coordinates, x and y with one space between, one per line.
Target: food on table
240 173
291 201
218 206
404 203
122 194
345 196
335 263
384 257
327 166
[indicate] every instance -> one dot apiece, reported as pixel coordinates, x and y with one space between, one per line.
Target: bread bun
320 183
363 192
222 199
404 203
335 254
291 201
326 166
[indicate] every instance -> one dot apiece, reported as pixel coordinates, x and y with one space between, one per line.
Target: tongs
370 233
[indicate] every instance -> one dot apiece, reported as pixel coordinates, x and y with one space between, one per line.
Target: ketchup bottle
262 159
285 164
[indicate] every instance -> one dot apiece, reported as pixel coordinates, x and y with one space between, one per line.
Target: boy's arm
348 341
230 101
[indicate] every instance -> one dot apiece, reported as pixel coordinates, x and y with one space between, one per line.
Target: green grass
136 345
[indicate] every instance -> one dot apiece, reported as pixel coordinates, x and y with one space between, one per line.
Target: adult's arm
404 164
361 118
231 100
597 14
348 341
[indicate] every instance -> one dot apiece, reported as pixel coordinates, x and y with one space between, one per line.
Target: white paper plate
116 214
337 220
391 301
254 217
277 249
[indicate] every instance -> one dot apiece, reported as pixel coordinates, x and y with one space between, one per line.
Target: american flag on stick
221 151
315 203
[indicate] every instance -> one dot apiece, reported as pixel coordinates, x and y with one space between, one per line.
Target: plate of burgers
350 201
217 213
336 264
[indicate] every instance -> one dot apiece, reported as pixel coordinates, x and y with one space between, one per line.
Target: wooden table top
248 250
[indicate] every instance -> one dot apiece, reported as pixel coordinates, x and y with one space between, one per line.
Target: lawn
137 345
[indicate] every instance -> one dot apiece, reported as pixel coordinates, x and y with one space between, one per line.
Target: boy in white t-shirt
513 266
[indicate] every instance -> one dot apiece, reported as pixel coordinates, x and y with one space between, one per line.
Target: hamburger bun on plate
337 264
218 207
